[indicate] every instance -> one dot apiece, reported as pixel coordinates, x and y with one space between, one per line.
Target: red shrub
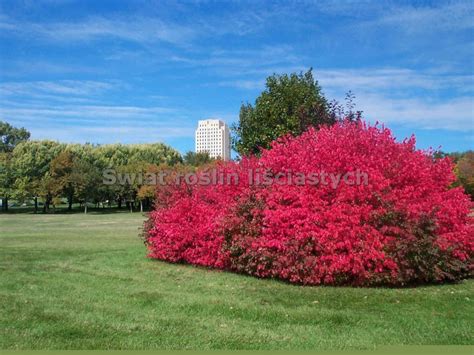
401 224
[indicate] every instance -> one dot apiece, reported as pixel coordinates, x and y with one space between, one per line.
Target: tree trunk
5 204
131 207
119 203
47 202
85 207
69 200
36 204
141 206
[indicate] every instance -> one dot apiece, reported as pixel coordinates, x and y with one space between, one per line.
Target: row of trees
50 172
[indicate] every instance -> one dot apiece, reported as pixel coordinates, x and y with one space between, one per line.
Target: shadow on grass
380 286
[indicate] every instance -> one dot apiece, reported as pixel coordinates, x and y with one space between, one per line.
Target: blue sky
143 71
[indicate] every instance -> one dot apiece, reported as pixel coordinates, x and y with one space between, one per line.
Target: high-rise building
213 136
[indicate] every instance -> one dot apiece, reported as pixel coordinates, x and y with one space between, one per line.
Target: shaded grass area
83 282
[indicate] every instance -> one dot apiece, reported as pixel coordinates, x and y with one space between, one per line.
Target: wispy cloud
140 28
419 99
454 114
122 134
135 29
59 87
392 95
80 106
177 62
394 79
84 113
232 61
365 79
447 16
100 123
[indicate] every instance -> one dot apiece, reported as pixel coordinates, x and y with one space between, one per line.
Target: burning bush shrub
344 205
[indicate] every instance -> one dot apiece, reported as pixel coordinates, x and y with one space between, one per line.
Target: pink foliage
404 224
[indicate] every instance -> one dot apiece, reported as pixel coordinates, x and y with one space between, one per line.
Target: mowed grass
83 282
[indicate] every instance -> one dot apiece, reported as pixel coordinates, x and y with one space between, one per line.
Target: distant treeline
51 172
464 169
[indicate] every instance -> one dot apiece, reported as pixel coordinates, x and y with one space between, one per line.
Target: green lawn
83 282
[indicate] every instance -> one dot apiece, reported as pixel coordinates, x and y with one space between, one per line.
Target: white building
213 136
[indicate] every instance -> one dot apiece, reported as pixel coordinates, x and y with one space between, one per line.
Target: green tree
46 189
51 170
11 136
123 158
30 166
197 159
86 179
289 104
131 179
6 179
62 172
465 172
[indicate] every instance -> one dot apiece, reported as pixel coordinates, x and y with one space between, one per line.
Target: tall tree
61 171
11 136
31 164
86 179
6 179
289 104
46 189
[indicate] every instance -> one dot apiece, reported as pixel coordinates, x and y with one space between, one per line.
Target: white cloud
419 99
122 134
135 29
70 107
374 79
455 114
387 95
83 113
244 61
449 16
58 87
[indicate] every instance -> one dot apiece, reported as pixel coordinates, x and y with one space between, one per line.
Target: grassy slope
76 281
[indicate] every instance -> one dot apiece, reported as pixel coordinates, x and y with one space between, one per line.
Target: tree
6 179
61 171
11 136
147 191
30 164
121 158
465 172
46 189
197 159
85 179
289 104
52 170
464 168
